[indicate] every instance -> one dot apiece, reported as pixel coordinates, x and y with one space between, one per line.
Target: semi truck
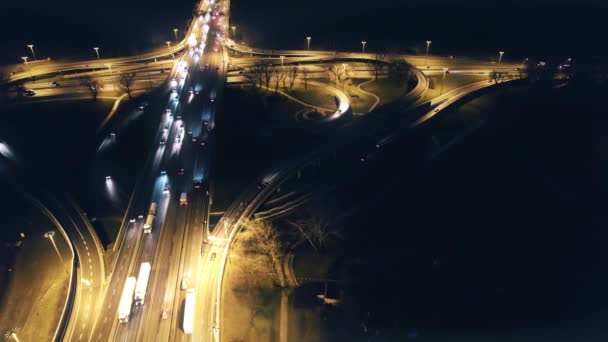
126 300
142 283
150 218
189 311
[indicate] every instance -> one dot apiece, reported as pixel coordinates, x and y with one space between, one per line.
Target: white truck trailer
189 312
142 283
150 218
126 300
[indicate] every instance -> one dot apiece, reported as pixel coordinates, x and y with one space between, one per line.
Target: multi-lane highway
179 164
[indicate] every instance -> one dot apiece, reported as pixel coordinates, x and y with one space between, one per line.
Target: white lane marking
80 337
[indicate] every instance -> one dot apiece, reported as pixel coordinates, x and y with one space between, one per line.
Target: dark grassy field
499 237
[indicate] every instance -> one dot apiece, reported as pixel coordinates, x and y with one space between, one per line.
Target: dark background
537 28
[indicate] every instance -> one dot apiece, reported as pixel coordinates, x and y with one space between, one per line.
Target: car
183 199
366 157
194 139
55 84
181 172
262 185
205 123
142 105
163 172
203 142
29 92
190 90
140 216
166 188
197 184
132 220
162 142
108 178
212 256
163 314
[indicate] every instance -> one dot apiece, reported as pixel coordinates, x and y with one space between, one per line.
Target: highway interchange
180 247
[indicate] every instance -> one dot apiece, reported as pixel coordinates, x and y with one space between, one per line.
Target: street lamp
308 41
282 59
500 56
49 235
426 55
168 44
363 45
445 71
12 334
175 33
96 51
24 59
31 46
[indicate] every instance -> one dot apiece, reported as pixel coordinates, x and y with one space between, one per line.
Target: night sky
537 28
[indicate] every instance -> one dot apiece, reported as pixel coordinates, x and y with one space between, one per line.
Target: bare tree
279 75
292 74
344 75
318 230
339 73
267 74
91 84
256 74
497 76
262 237
305 77
377 65
334 73
126 82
